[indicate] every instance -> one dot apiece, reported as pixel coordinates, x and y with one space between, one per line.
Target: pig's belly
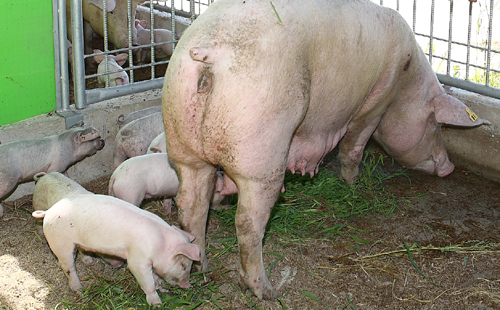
307 151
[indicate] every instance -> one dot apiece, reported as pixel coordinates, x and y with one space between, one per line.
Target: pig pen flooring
461 209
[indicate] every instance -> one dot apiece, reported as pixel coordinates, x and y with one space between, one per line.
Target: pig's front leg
193 201
352 147
255 203
143 272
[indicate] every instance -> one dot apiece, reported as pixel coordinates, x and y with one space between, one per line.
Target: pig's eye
184 266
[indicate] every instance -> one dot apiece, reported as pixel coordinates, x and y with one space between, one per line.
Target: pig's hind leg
193 201
252 214
66 254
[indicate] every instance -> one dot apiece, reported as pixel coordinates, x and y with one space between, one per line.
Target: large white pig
21 160
110 226
262 89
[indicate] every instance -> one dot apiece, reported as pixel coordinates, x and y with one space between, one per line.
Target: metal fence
460 37
176 20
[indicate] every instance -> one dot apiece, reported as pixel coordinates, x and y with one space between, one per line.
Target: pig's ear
191 251
137 22
98 58
185 233
110 4
121 58
451 111
143 23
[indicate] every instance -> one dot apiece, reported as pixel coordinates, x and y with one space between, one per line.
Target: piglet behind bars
21 160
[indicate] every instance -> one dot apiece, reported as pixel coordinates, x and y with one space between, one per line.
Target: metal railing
461 39
82 96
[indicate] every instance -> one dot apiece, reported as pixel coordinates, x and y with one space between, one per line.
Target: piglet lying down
110 226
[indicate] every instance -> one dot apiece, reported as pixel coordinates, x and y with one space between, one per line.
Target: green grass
309 206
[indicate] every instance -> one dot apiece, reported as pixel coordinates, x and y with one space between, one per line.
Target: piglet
107 225
21 160
158 145
160 35
135 137
151 176
121 120
114 64
50 188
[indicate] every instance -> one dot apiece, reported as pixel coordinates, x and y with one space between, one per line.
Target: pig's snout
445 168
100 144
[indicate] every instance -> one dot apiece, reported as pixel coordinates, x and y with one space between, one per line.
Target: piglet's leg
193 200
255 203
67 264
144 276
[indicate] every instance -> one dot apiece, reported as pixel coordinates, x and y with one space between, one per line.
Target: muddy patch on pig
455 224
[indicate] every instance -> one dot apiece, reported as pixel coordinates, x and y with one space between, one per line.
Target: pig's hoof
260 288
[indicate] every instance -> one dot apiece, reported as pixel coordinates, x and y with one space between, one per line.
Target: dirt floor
460 210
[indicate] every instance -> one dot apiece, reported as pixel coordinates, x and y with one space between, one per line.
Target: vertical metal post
152 17
63 55
78 53
172 11
106 39
131 23
414 15
450 34
467 66
431 39
490 33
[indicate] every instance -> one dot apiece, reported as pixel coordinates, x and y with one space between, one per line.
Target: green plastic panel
27 71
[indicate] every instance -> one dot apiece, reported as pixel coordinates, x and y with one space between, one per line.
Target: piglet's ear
121 58
451 111
191 251
185 233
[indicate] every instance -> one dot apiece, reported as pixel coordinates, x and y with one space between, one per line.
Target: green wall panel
27 74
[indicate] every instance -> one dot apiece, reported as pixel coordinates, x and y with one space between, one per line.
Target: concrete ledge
101 115
476 149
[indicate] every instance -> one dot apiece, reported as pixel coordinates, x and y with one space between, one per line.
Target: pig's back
103 224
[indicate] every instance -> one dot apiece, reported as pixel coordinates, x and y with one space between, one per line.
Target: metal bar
450 34
469 30
431 40
151 12
78 53
100 94
470 86
62 100
131 23
106 39
172 17
414 15
488 56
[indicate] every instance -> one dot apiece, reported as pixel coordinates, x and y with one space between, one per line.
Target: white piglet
160 35
150 176
114 64
154 250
